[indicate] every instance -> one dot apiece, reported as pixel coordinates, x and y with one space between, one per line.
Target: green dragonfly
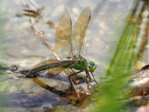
69 43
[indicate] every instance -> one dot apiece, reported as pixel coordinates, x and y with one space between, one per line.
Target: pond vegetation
119 47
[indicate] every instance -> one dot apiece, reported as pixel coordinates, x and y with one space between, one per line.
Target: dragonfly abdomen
63 64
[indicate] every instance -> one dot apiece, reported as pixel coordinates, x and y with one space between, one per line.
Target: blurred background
116 39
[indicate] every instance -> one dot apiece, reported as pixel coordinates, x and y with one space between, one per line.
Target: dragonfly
69 43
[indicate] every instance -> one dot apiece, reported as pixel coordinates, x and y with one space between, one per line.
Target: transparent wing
78 34
63 35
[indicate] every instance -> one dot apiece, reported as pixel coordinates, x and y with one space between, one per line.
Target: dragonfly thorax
83 64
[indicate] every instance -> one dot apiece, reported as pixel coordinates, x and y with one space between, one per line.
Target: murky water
21 47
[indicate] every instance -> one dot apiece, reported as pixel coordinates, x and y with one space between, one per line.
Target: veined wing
78 34
63 35
52 66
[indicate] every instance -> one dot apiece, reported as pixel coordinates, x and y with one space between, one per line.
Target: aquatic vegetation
115 89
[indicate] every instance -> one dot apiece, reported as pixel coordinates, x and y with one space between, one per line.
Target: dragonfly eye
91 66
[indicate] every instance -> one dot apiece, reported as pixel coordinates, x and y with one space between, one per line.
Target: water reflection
24 49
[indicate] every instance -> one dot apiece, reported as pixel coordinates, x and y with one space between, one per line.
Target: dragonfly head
91 66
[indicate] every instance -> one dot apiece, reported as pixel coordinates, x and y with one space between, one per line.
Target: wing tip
87 9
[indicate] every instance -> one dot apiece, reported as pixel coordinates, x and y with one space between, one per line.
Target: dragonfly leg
74 72
70 76
72 86
88 76
93 78
88 79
